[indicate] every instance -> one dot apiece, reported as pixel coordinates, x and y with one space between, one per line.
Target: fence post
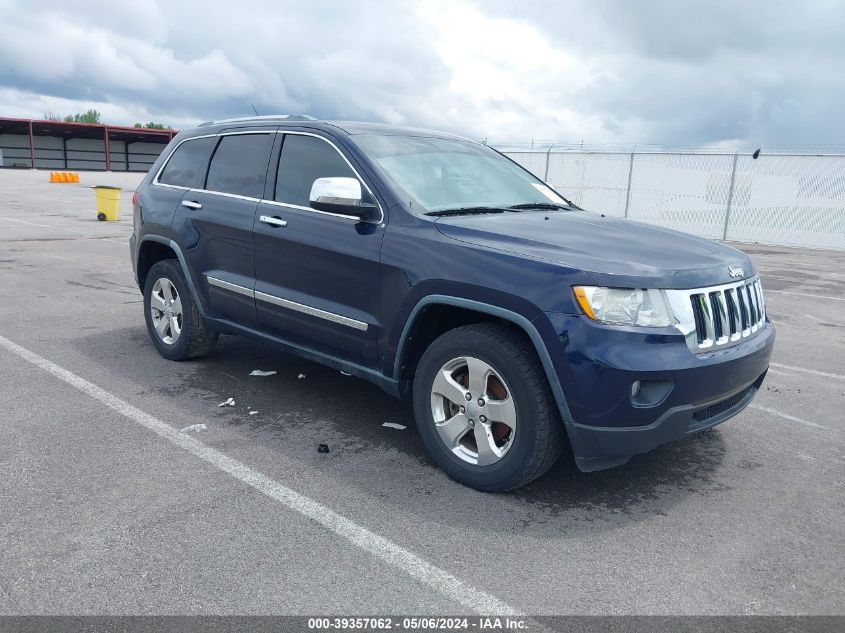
31 147
107 148
730 198
546 175
628 193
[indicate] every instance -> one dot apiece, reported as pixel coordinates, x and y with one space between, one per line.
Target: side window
186 167
303 160
240 164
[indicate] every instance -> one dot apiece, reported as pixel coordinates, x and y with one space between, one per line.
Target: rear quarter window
186 166
239 164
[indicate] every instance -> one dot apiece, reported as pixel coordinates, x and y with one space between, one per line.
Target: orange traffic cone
54 176
74 176
62 176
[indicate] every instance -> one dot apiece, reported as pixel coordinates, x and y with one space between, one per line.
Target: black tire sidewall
170 270
507 472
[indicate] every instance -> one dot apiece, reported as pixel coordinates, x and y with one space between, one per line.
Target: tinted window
240 165
186 166
303 160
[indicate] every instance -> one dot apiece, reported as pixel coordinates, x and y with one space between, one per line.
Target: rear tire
515 436
173 321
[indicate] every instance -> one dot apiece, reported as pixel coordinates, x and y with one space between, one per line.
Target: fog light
650 393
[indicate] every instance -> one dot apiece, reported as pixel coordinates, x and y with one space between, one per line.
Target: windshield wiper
466 211
539 205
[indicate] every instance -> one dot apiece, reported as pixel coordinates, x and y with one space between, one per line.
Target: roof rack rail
286 117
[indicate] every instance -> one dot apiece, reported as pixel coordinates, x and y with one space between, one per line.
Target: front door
316 274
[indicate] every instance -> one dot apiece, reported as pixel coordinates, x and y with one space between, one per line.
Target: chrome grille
719 316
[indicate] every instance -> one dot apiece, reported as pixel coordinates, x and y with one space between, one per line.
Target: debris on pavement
259 372
228 403
345 373
253 412
194 428
394 425
301 376
323 448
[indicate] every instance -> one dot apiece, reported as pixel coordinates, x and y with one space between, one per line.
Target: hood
615 252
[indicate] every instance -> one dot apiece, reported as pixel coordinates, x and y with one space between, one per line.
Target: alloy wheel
166 310
474 411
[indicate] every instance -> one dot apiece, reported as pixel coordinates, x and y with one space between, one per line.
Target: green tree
153 126
91 116
52 116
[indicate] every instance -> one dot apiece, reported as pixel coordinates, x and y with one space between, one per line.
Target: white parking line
778 372
420 570
43 226
65 229
786 416
804 294
813 318
804 370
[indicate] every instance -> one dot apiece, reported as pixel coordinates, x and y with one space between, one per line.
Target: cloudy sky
664 72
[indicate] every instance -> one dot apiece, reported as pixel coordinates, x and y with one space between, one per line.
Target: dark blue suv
445 273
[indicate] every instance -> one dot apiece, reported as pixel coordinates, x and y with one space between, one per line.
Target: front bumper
597 366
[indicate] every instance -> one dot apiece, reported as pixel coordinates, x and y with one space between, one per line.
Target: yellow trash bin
108 202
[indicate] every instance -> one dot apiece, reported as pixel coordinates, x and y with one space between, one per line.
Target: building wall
82 154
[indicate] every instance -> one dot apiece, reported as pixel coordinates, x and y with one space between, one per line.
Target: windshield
437 175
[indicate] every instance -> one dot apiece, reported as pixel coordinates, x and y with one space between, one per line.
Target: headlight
624 306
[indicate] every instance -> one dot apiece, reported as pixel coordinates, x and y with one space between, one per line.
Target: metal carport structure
33 143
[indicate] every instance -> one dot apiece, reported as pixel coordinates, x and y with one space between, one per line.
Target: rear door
317 274
184 169
216 221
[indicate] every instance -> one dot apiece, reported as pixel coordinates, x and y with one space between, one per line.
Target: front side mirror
342 195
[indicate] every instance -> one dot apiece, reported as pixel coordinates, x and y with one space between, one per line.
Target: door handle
190 204
272 220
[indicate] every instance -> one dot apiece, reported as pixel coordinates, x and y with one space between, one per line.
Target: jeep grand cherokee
442 271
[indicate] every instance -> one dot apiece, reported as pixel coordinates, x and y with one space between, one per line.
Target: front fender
520 320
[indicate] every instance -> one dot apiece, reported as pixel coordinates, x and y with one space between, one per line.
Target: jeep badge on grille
736 271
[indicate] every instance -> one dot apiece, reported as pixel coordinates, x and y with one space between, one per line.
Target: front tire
173 321
484 410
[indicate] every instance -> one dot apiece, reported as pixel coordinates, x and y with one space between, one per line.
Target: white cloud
25 105
602 71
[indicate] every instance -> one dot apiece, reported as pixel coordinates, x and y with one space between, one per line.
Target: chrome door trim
161 184
286 205
269 219
241 290
236 196
291 305
315 312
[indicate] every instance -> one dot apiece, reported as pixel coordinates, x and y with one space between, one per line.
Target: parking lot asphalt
104 512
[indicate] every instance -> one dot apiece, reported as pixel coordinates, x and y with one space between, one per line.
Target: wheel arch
155 248
487 312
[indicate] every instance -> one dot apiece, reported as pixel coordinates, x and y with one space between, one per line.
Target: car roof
350 128
358 127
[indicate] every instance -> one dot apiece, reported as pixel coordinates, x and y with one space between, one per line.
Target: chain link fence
779 199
